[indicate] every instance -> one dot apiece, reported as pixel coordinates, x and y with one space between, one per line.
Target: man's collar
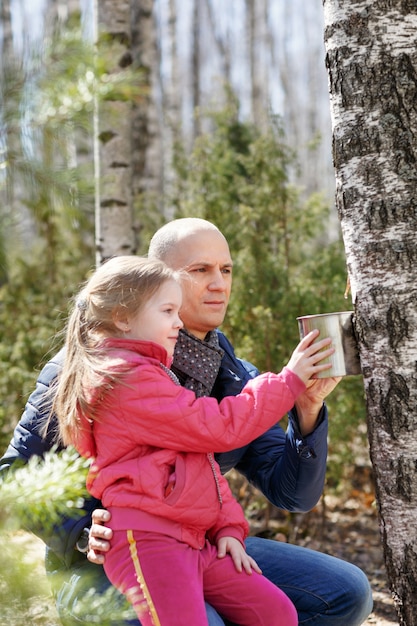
197 362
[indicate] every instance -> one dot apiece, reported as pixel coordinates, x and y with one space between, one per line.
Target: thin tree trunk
372 65
223 47
171 105
257 42
148 157
195 65
6 187
175 96
7 62
113 132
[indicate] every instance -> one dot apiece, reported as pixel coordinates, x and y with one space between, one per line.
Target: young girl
178 533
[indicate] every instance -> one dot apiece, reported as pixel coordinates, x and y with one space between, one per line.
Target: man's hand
100 536
310 402
240 557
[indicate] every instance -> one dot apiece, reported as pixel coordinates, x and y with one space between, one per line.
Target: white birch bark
147 125
257 43
113 152
7 119
196 66
371 50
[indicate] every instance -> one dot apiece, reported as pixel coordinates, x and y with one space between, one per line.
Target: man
289 468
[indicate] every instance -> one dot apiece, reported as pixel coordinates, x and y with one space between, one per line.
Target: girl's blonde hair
119 287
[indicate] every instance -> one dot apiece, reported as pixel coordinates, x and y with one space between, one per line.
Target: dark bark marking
397 326
106 135
389 211
112 202
393 253
394 405
405 472
409 576
395 101
126 59
404 7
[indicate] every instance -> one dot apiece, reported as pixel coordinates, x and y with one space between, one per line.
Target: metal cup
339 327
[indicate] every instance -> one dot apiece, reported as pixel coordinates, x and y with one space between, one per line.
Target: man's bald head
167 239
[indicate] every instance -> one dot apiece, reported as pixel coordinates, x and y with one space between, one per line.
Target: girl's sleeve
183 422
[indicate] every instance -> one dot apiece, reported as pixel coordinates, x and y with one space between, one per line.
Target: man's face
205 257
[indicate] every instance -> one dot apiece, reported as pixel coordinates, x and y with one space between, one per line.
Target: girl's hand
305 360
240 558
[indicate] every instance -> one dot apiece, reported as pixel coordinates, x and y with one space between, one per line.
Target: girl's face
158 320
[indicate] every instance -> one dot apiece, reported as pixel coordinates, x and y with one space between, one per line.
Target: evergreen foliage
47 193
33 309
38 493
285 264
34 496
235 176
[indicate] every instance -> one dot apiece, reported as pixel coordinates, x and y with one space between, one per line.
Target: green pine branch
42 490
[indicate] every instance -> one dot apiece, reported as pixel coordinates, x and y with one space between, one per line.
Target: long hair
122 285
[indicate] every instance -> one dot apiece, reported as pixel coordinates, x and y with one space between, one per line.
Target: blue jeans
325 590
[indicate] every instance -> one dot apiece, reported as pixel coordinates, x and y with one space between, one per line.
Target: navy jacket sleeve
289 469
26 442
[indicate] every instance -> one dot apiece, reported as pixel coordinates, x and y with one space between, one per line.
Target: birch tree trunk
196 66
6 150
257 43
113 130
7 62
371 56
148 157
171 107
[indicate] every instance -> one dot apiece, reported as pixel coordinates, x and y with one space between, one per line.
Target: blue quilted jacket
287 468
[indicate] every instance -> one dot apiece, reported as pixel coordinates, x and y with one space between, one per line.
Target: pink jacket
152 443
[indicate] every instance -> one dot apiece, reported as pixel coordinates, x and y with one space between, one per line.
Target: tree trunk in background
6 189
372 66
171 105
8 119
257 44
195 66
174 99
113 133
148 158
315 114
222 43
287 66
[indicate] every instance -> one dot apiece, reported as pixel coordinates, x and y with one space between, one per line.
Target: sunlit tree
372 64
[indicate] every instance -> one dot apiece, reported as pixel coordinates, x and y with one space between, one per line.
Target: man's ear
121 320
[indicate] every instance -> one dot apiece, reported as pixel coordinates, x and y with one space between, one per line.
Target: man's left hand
310 402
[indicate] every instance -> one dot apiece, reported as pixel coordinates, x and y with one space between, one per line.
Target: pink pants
167 582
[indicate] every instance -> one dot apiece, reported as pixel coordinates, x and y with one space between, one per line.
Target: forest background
237 131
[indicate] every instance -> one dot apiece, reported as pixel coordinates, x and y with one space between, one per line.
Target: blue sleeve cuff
306 446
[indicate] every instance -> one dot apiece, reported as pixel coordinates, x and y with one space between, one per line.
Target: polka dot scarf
196 362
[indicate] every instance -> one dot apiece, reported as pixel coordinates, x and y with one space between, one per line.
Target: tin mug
339 327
